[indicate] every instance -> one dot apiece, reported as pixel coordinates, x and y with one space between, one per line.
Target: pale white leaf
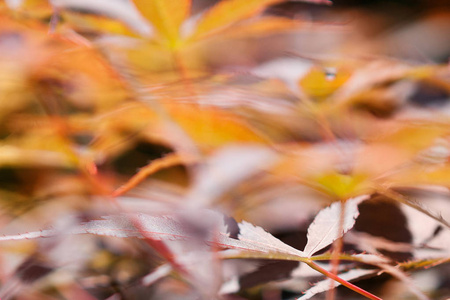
325 285
227 168
29 235
254 238
229 287
289 70
158 228
251 238
324 229
122 226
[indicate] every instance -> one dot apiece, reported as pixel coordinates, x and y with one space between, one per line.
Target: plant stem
184 73
335 253
341 281
156 165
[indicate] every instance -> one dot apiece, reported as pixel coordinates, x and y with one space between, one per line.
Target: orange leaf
165 15
228 12
413 137
35 8
211 127
319 84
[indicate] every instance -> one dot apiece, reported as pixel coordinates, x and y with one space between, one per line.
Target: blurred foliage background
121 106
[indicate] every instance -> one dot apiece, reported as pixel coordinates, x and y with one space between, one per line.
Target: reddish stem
342 281
156 165
336 251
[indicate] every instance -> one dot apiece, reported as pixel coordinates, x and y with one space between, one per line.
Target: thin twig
156 165
342 281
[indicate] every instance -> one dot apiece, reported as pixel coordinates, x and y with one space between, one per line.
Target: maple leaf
251 238
228 12
252 241
166 16
79 94
325 228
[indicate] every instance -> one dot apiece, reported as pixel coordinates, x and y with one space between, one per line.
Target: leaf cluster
135 162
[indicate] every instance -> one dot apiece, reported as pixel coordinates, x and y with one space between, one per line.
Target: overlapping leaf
322 232
325 228
166 16
228 12
251 238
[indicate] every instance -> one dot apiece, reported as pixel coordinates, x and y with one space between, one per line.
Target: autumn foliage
157 149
